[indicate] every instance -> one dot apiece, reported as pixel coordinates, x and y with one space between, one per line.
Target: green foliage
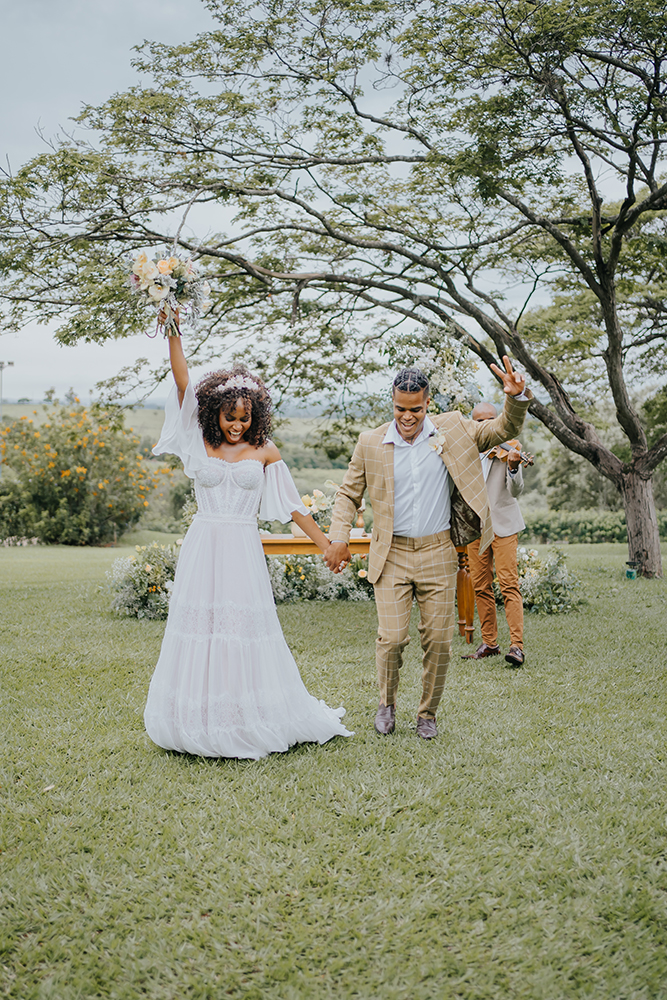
587 526
189 509
655 415
141 584
78 477
492 105
571 483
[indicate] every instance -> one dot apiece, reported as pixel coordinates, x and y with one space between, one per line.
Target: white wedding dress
226 684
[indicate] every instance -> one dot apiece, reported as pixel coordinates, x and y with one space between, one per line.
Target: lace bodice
230 490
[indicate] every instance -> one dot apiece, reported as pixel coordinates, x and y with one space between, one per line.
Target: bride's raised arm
179 366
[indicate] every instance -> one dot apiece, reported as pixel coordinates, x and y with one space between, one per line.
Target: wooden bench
284 545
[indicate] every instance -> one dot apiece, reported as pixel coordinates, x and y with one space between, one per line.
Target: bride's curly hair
212 398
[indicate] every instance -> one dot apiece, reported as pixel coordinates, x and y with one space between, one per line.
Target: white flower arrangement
446 362
547 586
436 441
141 589
172 286
318 502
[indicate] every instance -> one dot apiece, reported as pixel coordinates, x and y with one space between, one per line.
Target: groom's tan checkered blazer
372 466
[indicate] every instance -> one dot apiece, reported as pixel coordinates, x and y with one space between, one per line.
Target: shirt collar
393 435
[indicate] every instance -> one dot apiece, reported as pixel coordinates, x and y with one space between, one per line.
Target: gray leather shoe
385 719
426 728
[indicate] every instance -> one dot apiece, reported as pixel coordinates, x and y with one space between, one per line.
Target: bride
226 684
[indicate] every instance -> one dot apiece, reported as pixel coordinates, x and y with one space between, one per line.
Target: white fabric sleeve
181 434
280 497
515 481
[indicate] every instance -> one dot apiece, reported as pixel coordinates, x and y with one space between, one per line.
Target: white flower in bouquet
157 292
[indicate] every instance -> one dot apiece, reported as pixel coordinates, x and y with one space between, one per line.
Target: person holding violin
501 467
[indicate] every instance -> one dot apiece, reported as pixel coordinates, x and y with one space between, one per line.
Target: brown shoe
426 728
515 657
385 719
483 651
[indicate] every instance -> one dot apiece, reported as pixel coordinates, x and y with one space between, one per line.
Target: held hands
337 556
514 383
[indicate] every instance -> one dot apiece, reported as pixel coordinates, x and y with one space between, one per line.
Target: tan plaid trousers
423 569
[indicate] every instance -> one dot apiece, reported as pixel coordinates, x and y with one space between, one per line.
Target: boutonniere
437 441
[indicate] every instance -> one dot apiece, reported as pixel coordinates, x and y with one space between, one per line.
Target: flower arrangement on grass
306 578
172 286
141 585
547 586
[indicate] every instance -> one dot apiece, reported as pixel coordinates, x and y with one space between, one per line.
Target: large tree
490 169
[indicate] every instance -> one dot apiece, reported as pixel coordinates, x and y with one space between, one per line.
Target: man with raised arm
425 483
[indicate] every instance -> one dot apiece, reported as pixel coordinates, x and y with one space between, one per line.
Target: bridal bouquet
172 286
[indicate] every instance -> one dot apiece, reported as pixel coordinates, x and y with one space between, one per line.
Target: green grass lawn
521 855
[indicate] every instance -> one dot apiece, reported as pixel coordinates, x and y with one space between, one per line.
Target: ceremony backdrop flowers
306 578
141 585
172 286
449 366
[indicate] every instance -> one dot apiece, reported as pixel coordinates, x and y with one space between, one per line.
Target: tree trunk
643 537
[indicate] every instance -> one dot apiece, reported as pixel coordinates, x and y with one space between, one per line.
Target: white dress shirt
421 484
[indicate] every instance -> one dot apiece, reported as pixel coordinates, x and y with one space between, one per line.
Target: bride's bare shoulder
269 453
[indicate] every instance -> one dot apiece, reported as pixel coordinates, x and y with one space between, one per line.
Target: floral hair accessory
237 382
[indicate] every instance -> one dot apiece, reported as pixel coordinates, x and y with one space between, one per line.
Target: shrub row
588 526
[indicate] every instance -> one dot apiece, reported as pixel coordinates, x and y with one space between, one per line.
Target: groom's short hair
410 380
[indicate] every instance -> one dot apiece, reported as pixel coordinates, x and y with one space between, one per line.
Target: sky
57 56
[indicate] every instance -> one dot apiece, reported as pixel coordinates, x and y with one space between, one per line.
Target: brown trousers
503 551
423 569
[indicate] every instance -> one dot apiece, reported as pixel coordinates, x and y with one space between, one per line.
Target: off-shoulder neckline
240 461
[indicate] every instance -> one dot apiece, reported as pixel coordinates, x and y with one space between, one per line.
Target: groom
425 482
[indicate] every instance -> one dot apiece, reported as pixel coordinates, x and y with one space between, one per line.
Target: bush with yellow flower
76 478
